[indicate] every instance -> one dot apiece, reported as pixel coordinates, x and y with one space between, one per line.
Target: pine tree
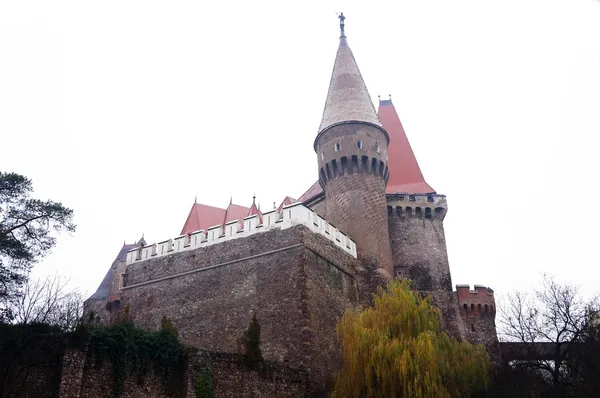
397 349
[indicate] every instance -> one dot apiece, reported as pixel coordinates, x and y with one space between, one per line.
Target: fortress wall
297 282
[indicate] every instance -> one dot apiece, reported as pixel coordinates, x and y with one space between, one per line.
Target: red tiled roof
236 212
203 217
405 174
314 190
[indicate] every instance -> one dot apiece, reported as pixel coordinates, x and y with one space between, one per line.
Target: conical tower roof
405 173
348 99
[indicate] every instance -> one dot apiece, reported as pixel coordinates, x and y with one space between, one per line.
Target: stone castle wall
296 282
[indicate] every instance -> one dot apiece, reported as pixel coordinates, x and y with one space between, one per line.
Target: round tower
353 162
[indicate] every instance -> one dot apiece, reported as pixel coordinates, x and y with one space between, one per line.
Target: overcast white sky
125 110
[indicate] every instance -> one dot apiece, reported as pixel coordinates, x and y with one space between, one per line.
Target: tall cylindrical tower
353 162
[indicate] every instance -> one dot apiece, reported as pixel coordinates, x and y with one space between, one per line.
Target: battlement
476 303
289 216
353 164
405 205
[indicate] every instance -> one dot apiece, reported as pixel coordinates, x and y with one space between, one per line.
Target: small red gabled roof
254 210
286 201
405 173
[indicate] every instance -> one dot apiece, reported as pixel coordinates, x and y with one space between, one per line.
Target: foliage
48 301
204 387
132 350
252 343
397 349
26 234
24 347
555 313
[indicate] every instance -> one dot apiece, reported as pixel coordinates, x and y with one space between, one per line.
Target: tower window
377 147
337 147
322 155
359 144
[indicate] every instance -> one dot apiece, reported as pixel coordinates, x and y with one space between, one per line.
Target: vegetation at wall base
397 349
204 381
252 344
131 351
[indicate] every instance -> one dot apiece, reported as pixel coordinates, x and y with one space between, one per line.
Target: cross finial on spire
342 18
254 198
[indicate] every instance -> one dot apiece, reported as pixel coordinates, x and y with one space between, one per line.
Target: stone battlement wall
429 206
478 312
289 216
297 283
478 302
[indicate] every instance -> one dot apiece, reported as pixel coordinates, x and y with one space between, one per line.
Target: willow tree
397 349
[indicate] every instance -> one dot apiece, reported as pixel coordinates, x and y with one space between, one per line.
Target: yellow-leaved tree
397 349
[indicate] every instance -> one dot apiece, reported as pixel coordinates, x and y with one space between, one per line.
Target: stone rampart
297 283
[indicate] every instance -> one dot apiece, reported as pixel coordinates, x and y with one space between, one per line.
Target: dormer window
338 147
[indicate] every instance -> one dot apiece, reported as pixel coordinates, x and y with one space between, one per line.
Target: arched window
377 147
428 212
359 144
479 309
398 211
465 309
338 147
487 309
390 211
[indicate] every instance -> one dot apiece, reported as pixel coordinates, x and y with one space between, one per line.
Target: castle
371 216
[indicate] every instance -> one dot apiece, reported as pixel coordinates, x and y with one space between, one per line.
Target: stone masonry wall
296 282
419 251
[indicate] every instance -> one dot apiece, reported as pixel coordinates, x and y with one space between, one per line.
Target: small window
338 147
377 147
322 155
359 144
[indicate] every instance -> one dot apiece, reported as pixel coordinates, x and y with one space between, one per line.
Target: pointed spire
254 198
230 199
348 99
196 199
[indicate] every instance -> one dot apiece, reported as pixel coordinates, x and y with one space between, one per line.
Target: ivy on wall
133 352
204 383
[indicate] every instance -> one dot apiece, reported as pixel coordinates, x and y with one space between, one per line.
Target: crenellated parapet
477 303
404 205
289 216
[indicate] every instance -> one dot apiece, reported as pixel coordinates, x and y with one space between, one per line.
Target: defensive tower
351 147
415 213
